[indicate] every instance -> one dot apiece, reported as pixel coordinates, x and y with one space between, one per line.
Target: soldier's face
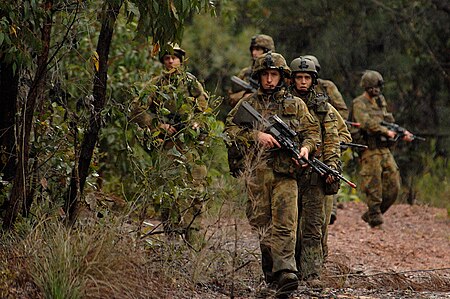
270 79
374 91
171 62
256 52
303 81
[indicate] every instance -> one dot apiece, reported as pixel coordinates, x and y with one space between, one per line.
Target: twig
391 273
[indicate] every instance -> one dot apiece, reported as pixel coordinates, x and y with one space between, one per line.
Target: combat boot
375 216
287 283
365 217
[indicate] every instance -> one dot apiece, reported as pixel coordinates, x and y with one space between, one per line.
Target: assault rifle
247 116
352 123
345 145
251 87
399 130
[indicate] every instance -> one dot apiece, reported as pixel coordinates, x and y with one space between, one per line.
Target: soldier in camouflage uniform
165 117
337 101
259 45
272 186
379 172
312 187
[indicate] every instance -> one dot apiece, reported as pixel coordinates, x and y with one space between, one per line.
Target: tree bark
80 172
19 188
9 83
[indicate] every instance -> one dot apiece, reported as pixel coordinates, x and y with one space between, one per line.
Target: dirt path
408 258
412 238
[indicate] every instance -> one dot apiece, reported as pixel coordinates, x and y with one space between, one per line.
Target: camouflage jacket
292 111
178 93
369 113
329 151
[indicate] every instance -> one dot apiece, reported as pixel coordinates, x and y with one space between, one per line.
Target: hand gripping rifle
247 116
251 87
399 130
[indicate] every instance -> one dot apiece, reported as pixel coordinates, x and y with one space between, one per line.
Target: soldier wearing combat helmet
312 187
259 44
328 88
174 98
380 177
272 187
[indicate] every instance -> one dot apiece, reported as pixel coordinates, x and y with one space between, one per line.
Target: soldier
380 178
272 186
259 45
312 187
329 88
337 101
165 117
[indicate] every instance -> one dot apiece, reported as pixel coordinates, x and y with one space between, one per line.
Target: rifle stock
252 86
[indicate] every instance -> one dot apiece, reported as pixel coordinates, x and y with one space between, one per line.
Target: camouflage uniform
309 254
331 200
337 101
184 97
272 185
266 43
380 177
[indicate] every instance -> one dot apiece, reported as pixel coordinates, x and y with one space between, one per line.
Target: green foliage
164 20
433 186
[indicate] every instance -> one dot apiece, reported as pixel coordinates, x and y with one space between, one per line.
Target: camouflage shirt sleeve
331 139
310 130
197 91
344 133
369 115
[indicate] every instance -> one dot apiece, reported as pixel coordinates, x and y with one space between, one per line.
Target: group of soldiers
288 203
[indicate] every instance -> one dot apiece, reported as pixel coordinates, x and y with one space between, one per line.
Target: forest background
69 71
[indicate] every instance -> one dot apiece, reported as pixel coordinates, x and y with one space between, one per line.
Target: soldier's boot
287 284
375 216
365 217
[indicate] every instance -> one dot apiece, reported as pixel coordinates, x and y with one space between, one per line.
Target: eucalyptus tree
30 46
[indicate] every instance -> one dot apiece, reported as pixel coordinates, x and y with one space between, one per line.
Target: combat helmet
315 60
270 60
304 65
175 49
263 41
371 79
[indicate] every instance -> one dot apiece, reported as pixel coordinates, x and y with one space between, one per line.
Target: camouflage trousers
328 209
380 178
308 251
183 214
272 212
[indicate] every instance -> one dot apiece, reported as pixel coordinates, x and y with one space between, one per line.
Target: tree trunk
9 83
19 188
80 173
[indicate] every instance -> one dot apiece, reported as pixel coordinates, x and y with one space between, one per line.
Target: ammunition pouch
333 188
